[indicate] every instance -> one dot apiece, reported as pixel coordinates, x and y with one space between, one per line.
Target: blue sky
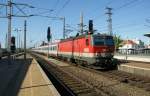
129 18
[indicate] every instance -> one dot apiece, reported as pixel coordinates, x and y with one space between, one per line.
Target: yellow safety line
31 78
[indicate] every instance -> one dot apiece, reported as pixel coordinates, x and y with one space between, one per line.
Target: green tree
117 41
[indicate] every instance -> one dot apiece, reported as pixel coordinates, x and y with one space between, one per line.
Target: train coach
87 49
51 49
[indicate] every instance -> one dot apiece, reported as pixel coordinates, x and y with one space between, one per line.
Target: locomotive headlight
104 50
97 54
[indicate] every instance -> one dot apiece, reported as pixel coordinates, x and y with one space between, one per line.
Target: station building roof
147 35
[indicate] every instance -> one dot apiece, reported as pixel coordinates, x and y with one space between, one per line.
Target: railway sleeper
74 83
147 88
78 87
93 93
71 83
83 91
67 79
61 76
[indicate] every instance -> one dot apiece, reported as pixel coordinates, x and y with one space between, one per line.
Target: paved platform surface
137 68
133 58
24 78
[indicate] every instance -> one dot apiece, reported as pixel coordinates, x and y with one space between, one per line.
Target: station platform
137 68
24 78
133 58
135 64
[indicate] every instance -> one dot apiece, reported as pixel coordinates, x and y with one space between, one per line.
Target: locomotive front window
103 41
98 41
109 42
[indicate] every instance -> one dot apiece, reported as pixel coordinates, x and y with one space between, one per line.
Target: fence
141 52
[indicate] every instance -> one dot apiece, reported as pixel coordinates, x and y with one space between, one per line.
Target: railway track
124 77
129 78
134 80
83 81
74 86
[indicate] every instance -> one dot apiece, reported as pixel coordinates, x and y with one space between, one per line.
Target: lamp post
127 50
25 29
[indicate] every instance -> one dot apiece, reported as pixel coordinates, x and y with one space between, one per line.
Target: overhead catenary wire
100 15
147 20
21 10
122 26
64 5
42 10
56 4
125 5
118 8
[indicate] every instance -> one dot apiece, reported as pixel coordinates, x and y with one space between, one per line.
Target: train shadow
19 74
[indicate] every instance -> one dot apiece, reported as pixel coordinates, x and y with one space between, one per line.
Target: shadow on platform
12 75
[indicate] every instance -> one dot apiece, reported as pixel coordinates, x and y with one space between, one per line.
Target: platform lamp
48 39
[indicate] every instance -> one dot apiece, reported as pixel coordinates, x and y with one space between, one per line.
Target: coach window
87 42
54 47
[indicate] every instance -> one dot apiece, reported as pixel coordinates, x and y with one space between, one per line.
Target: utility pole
25 29
9 29
9 16
64 30
109 20
81 23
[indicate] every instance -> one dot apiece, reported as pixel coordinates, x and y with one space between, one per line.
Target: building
131 46
147 35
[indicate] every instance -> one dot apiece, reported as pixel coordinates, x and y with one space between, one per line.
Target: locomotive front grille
106 55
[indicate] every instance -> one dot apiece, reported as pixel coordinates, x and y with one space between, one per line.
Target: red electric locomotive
89 49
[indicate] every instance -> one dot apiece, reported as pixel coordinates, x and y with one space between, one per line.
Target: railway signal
91 26
48 34
13 47
48 38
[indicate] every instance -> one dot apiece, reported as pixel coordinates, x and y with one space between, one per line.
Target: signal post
48 39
